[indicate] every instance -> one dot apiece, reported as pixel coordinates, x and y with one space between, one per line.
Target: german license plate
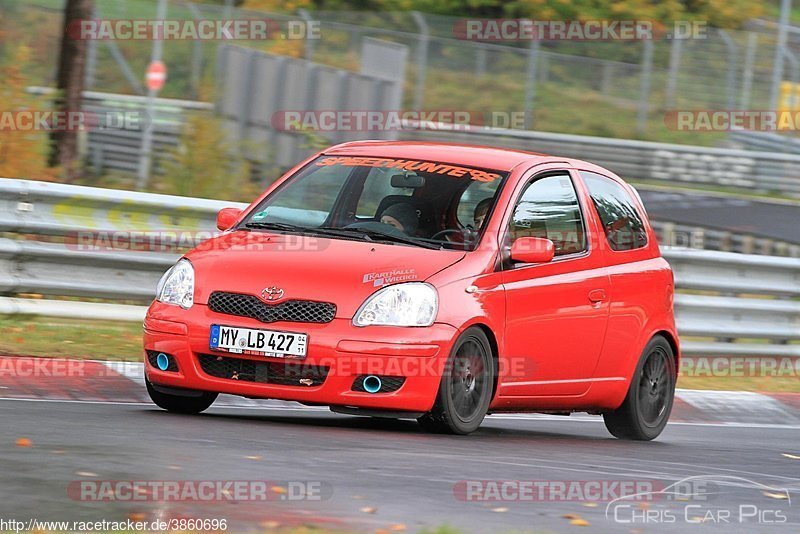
258 342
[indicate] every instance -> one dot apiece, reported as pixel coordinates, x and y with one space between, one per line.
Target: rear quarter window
622 223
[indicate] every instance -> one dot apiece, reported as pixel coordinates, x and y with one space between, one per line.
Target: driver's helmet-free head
401 215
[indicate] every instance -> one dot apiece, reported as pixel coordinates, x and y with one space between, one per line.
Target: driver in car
480 212
402 216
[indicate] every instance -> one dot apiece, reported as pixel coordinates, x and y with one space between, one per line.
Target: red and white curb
58 379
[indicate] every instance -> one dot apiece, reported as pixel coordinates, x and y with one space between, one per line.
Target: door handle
597 295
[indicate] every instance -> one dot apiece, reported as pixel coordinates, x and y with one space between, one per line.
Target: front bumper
418 354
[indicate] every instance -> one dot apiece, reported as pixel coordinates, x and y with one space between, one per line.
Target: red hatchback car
431 281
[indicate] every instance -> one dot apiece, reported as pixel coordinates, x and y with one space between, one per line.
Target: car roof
502 159
486 157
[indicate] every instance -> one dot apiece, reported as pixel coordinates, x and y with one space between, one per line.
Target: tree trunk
71 67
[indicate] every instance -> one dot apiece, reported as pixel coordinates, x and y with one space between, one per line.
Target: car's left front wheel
191 402
465 390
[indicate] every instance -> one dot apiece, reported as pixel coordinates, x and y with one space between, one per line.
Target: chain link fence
607 88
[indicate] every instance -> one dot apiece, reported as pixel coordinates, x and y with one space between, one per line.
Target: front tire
190 404
645 411
465 390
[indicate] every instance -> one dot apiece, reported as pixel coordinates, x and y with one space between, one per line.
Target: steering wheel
446 232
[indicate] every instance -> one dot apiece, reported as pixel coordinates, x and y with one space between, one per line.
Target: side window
473 195
622 224
549 208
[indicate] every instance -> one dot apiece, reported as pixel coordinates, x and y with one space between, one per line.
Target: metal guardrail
45 208
119 148
750 170
765 141
723 297
698 237
642 160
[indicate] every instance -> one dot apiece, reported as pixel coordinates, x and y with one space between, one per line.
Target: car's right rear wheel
192 402
466 387
645 411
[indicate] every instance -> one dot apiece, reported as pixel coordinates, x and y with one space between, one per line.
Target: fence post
644 85
676 48
146 157
749 60
422 58
795 65
780 53
480 61
308 43
91 58
732 67
530 83
197 55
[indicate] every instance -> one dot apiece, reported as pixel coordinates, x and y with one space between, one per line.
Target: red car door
556 312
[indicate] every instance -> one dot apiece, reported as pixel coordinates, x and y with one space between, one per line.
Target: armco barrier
641 160
723 297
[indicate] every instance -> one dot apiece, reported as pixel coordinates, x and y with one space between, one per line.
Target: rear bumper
418 354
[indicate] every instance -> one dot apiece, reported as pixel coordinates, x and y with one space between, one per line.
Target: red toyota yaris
432 281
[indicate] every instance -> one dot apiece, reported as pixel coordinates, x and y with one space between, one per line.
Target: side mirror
532 250
227 217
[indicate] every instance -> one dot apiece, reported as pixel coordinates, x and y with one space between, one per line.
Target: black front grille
388 383
296 311
285 374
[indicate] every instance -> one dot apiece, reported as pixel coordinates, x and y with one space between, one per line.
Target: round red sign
156 75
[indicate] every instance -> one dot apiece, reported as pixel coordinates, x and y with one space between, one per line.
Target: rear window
622 223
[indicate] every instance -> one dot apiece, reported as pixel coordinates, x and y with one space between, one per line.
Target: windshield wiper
360 233
394 238
318 230
277 226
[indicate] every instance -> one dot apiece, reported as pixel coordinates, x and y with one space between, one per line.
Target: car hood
341 271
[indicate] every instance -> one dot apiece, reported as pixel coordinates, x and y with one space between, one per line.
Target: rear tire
179 403
646 409
465 390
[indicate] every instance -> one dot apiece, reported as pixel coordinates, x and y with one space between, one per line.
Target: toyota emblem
272 294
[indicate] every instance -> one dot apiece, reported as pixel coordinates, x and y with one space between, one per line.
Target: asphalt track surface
777 220
381 473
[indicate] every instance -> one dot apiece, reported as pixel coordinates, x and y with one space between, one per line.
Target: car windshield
402 201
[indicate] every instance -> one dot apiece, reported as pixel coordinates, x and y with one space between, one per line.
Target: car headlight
177 285
408 304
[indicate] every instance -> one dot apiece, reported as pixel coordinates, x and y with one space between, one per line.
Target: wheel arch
672 339
493 345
